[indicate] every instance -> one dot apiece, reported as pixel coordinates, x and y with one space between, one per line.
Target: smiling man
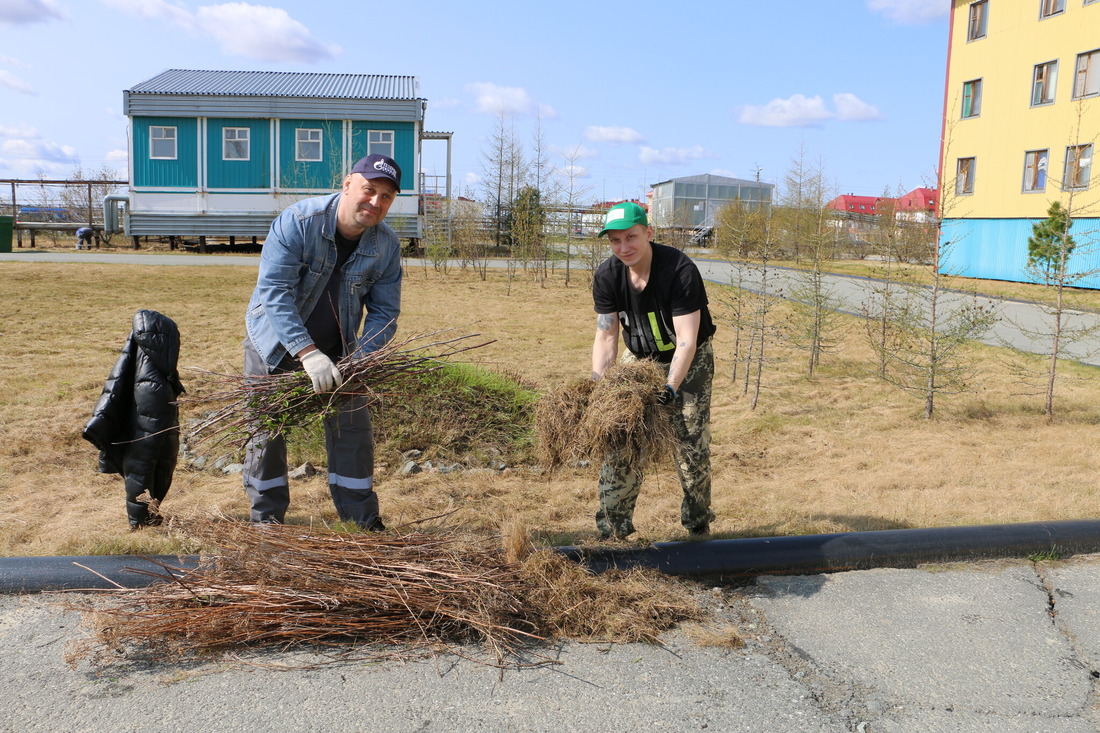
655 295
329 285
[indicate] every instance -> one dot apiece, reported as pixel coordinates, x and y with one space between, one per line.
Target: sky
632 94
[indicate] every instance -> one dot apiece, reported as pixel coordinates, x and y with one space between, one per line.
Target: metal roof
716 180
280 84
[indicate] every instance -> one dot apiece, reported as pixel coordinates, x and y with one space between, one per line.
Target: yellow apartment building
1021 125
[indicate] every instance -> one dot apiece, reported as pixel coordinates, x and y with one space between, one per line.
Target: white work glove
322 372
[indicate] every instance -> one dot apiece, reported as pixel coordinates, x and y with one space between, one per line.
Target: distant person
329 285
84 238
655 294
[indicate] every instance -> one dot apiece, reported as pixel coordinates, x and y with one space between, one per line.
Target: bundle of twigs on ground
401 594
272 404
588 420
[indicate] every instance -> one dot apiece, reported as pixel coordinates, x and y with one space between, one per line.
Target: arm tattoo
604 321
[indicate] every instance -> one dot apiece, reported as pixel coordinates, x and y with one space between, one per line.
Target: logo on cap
384 167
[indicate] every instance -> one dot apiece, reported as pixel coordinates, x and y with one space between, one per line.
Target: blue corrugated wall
996 249
404 145
181 172
326 174
252 173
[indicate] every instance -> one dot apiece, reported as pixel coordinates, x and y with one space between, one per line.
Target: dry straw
588 420
376 595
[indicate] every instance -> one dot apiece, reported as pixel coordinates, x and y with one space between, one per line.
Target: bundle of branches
272 404
287 585
618 414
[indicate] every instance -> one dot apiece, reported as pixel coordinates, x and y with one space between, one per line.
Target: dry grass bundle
400 594
278 402
621 606
286 585
618 414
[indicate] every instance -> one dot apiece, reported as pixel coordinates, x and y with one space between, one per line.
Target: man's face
364 204
631 245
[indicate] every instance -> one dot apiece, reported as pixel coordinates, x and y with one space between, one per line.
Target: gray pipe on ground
714 560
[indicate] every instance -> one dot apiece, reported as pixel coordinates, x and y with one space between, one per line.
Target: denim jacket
297 259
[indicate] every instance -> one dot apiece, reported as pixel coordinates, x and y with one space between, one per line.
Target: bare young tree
572 193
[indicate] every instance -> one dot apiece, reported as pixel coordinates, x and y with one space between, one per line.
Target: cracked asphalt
1000 647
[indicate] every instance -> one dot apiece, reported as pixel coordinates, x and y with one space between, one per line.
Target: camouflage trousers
620 482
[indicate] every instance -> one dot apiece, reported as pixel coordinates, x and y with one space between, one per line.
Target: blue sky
637 92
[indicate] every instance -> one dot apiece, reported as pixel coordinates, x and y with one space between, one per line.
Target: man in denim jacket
329 285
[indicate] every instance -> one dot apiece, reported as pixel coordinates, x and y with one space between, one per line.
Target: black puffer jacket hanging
135 423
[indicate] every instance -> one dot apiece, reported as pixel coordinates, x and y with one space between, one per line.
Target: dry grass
586 420
834 453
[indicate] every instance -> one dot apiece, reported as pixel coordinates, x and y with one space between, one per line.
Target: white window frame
232 138
964 176
1036 166
975 85
163 134
381 142
1078 169
1086 78
978 24
313 136
1044 76
1048 8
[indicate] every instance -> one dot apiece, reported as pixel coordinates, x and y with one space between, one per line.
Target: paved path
999 647
1018 322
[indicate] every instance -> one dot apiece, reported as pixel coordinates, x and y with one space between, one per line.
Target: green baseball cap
624 216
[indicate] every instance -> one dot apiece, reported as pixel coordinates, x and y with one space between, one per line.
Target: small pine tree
1050 244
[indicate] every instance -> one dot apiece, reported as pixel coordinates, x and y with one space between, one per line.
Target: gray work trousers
349 443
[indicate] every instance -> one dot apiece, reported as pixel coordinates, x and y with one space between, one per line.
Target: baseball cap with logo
624 216
379 166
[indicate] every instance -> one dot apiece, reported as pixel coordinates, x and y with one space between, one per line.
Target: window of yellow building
964 176
1087 80
1035 170
972 98
1078 167
1043 82
979 12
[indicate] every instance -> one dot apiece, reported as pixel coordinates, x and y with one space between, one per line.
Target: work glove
322 372
667 395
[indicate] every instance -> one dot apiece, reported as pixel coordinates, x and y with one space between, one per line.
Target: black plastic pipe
830 553
75 572
718 560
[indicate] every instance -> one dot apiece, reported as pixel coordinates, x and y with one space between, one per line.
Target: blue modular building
221 153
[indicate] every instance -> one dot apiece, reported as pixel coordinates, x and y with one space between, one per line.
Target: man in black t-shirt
655 294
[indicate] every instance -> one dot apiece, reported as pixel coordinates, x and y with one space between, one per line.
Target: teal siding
325 174
239 174
404 145
179 173
996 249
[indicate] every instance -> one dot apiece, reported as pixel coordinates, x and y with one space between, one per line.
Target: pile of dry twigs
393 595
588 420
244 406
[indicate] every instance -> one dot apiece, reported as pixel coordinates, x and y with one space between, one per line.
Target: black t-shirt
675 288
323 324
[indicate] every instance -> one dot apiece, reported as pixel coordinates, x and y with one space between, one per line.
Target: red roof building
853 204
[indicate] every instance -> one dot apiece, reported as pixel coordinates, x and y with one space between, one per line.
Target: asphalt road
1019 325
997 647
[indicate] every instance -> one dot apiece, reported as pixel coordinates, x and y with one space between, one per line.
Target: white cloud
547 112
799 110
850 108
25 154
566 172
13 82
614 135
472 180
795 111
259 32
13 62
493 99
117 156
19 12
910 11
444 103
262 32
577 152
673 156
